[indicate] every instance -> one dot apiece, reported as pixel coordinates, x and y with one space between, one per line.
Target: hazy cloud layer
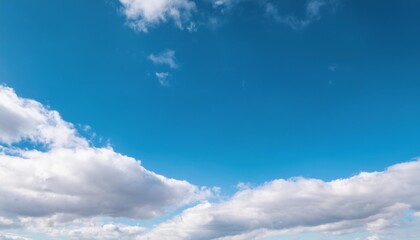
12 237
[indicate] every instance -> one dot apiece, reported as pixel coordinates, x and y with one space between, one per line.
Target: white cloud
71 177
192 27
143 14
163 78
369 201
72 189
91 228
373 237
107 231
25 119
313 8
166 57
12 237
85 181
227 3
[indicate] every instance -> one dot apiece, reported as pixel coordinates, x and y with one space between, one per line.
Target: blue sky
226 91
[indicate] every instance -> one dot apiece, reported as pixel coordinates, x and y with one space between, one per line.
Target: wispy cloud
163 78
312 13
144 14
225 3
166 57
333 67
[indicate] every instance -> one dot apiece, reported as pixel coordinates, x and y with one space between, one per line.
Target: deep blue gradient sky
252 99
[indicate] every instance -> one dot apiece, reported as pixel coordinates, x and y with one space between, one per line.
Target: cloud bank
66 175
54 182
369 201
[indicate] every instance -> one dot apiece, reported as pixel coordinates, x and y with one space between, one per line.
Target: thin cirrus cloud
142 15
70 177
312 13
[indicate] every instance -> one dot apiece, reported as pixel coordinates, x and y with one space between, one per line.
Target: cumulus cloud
25 119
369 201
73 189
86 182
143 14
166 57
70 176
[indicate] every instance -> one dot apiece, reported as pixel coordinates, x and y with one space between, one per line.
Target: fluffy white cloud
369 201
25 119
85 182
142 14
70 187
71 176
166 57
